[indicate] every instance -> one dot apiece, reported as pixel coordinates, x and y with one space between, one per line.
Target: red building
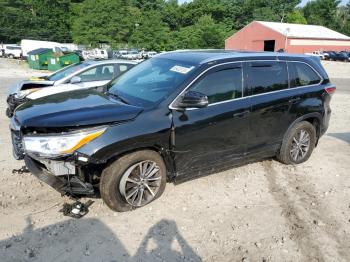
293 38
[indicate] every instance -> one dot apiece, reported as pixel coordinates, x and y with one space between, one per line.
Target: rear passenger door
270 99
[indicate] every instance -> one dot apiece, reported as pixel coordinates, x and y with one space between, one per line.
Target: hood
73 109
51 90
27 84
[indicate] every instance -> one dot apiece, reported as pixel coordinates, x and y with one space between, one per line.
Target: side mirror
193 99
75 80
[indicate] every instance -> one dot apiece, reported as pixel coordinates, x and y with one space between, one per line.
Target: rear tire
122 184
298 144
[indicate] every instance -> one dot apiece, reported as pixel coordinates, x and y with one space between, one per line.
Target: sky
303 2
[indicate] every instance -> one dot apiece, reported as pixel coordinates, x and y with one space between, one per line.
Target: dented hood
72 109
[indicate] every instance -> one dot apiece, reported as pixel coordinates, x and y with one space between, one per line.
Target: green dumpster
38 58
57 60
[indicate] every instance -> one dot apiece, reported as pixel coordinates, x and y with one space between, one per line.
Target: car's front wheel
133 180
298 143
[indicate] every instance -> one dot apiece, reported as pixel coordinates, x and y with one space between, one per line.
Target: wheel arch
164 153
313 118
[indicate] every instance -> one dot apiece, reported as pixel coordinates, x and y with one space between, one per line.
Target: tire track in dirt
302 219
300 229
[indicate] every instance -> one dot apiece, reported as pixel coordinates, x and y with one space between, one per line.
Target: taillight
330 90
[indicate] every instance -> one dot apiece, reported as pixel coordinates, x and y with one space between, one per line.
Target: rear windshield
151 81
67 71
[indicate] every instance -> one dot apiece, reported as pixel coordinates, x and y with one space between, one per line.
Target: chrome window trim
244 97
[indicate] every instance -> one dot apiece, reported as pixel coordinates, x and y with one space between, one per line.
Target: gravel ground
263 211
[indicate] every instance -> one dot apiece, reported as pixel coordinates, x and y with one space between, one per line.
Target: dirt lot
264 211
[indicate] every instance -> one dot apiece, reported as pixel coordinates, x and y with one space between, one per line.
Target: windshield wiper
118 97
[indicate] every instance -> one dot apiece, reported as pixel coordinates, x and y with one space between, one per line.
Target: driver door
216 135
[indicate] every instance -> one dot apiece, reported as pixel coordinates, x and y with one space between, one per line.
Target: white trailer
29 45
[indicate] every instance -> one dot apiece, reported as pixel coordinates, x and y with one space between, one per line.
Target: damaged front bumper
13 103
60 175
73 175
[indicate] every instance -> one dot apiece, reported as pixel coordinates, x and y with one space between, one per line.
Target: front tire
298 144
133 180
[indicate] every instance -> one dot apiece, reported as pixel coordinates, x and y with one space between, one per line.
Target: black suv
172 118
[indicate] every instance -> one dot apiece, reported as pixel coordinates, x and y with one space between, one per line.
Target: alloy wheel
140 183
300 145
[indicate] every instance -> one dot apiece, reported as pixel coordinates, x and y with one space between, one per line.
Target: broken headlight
60 144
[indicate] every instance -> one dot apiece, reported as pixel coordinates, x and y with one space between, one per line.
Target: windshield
151 81
66 71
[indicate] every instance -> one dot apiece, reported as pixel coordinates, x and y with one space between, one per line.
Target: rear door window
302 74
98 73
221 85
122 68
266 77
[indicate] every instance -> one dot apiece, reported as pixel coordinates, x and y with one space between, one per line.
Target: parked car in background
122 54
95 54
150 54
172 118
342 56
12 51
330 55
132 55
84 75
319 54
345 52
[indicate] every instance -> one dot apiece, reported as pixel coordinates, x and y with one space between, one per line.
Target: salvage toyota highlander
172 118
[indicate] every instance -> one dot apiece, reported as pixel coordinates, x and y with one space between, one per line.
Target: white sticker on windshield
181 69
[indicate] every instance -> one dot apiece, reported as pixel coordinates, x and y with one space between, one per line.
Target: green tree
151 32
296 17
38 19
203 34
104 21
322 12
269 10
343 16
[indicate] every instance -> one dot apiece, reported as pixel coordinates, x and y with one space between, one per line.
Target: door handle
241 114
294 99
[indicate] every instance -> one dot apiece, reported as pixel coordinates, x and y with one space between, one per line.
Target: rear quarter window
266 77
302 74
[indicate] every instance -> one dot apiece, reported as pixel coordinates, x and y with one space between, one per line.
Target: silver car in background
83 75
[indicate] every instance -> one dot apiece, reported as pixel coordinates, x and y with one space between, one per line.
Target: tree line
156 24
